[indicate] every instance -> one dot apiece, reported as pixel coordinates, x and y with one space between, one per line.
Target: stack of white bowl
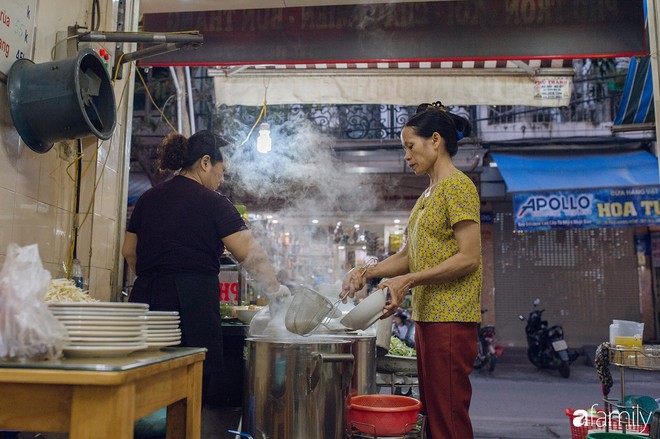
163 329
102 329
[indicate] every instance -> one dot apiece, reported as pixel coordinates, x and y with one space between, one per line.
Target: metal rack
395 378
646 358
396 368
360 430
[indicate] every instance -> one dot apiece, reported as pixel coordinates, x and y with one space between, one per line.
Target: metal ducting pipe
191 105
65 99
179 121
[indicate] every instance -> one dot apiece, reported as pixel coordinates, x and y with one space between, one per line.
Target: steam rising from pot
299 178
301 175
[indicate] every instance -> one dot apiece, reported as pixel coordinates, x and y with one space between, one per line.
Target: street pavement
519 401
516 401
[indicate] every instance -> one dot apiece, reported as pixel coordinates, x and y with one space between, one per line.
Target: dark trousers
197 299
445 357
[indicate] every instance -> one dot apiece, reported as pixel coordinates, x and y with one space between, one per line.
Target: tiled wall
37 191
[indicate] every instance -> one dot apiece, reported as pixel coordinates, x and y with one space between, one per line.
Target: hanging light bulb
263 141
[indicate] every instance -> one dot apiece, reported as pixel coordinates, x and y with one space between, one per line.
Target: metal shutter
584 278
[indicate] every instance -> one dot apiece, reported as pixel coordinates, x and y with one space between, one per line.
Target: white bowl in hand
367 312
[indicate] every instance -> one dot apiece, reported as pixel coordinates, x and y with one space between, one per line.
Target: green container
611 435
152 425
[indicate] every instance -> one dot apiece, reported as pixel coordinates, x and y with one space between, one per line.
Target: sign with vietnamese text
613 207
17 21
552 88
407 31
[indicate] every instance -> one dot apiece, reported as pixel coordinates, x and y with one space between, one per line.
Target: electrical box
68 46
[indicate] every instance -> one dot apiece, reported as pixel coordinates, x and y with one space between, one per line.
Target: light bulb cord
262 114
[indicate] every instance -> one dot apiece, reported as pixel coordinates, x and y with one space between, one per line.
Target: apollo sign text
614 207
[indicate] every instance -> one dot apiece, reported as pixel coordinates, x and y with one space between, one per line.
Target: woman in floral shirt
441 263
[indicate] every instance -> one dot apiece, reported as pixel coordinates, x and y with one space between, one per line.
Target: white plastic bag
28 330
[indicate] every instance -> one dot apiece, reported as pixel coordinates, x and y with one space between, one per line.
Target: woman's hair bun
437 105
173 151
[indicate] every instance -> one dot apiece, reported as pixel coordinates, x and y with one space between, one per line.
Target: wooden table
103 397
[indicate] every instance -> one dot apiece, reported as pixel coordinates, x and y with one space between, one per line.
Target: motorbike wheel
565 369
534 357
492 359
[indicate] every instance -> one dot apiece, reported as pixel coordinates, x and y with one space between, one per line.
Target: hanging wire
96 15
80 173
152 100
107 156
77 225
262 114
53 49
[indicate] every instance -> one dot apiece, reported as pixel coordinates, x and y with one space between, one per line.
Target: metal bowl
396 363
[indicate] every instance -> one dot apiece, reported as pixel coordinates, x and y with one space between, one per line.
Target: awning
304 53
636 105
544 171
398 86
636 110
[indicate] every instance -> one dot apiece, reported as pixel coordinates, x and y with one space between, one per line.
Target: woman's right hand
354 281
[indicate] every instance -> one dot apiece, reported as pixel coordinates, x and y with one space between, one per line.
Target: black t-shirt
180 225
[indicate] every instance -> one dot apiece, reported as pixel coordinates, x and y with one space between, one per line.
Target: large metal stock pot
297 389
364 376
364 370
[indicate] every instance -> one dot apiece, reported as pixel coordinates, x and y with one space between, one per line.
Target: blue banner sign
596 208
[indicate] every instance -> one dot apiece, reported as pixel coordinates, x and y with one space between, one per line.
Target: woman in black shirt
175 237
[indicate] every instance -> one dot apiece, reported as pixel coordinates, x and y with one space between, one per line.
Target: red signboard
431 31
228 287
229 292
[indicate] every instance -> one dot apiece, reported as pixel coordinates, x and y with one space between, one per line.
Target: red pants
445 357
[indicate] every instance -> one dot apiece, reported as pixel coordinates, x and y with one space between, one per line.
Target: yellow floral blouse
431 240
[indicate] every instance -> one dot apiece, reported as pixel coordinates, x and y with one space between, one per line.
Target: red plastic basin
387 414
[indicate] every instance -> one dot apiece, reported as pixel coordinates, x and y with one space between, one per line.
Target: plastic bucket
383 415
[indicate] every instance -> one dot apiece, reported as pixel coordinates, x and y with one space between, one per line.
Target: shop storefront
584 278
574 235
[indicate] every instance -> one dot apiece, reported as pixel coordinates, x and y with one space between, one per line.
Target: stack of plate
163 329
102 329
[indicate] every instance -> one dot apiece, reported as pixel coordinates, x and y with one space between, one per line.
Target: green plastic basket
612 435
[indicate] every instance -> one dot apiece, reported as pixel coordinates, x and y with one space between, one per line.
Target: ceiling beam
164 6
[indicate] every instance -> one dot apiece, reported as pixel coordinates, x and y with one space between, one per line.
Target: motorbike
487 352
546 347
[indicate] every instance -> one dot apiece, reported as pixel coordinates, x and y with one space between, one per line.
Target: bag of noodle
28 330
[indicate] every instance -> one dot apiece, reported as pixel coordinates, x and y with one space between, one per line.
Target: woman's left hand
398 288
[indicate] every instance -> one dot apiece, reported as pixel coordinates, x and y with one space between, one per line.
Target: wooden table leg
184 416
176 420
103 412
194 405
